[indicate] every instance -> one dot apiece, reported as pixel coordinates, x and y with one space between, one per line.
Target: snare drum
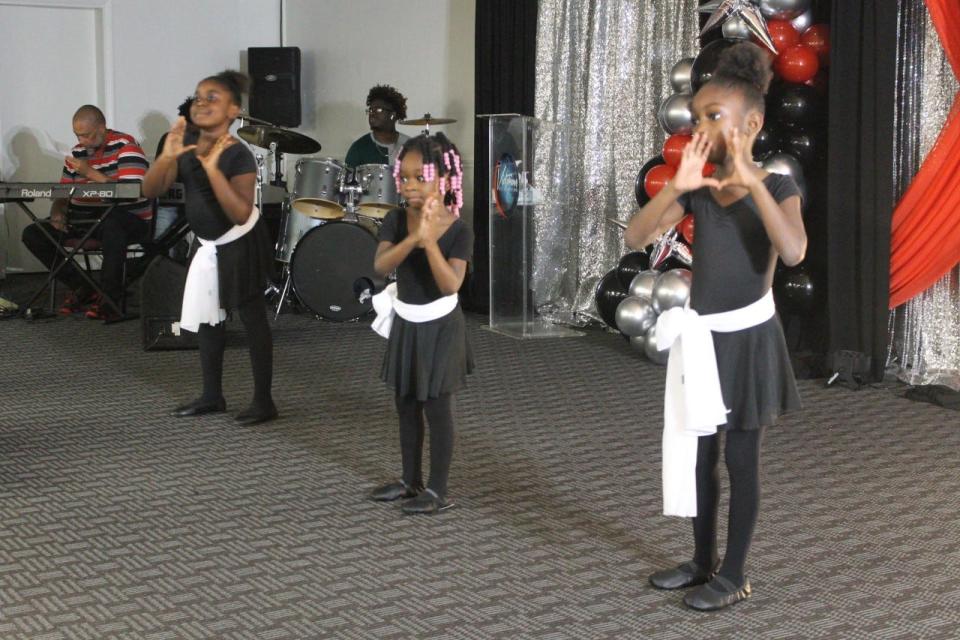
316 190
379 189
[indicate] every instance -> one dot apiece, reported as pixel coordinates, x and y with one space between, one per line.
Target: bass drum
332 270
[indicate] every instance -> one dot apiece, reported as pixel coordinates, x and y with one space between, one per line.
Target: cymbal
428 120
287 141
248 118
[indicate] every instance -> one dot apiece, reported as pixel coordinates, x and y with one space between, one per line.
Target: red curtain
925 237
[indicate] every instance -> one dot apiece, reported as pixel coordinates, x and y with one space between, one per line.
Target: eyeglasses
210 98
378 110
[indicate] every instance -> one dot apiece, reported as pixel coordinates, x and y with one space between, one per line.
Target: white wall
34 133
138 59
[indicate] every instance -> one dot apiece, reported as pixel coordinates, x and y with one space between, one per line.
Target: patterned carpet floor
118 521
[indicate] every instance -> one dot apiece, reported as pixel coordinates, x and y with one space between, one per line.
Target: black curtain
506 43
860 198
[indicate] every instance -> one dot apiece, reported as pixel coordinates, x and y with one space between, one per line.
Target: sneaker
100 311
76 303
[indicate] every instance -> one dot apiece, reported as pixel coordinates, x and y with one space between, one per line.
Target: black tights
213 341
439 414
742 455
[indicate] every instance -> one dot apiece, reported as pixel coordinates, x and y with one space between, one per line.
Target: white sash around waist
201 293
693 403
386 304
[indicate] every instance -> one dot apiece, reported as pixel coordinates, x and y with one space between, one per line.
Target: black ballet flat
394 491
688 574
257 415
717 594
199 407
427 503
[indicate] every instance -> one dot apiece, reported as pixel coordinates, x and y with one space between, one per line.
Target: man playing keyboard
101 155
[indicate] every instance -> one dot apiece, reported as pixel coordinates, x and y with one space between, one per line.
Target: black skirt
756 377
244 266
427 359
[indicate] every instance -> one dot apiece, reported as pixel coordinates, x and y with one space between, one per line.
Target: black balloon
801 146
630 265
797 106
795 290
766 143
706 62
639 191
608 295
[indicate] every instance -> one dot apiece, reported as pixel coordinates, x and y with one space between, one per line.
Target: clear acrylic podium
513 201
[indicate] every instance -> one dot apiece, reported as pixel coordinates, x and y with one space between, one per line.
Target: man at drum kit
385 106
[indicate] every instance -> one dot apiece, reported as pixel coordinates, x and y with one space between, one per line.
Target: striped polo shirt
122 160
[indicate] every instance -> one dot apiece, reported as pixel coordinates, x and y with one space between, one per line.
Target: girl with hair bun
231 260
729 369
428 356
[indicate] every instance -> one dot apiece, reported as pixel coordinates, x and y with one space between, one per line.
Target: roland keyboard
30 191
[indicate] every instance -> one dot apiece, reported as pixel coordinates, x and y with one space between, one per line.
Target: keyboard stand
69 256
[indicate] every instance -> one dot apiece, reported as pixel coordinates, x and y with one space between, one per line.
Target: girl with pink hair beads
428 356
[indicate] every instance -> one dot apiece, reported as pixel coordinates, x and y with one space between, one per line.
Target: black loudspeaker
275 90
161 295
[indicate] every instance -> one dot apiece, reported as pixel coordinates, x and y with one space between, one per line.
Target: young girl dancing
232 259
729 368
428 356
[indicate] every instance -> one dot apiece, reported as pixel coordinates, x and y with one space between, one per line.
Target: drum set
329 222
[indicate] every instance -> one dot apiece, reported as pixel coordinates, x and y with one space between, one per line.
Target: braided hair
441 160
744 67
233 81
391 96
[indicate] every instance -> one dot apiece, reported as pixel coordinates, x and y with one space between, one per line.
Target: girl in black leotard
745 220
219 177
428 356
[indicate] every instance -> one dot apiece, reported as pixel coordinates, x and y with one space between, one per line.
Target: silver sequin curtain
925 332
602 70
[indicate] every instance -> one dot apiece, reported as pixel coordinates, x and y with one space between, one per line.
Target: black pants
213 340
439 415
742 456
119 229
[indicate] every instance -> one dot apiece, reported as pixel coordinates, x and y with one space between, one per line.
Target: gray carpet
121 522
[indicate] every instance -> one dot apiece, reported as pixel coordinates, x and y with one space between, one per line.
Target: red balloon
817 37
798 64
685 227
673 148
657 178
783 34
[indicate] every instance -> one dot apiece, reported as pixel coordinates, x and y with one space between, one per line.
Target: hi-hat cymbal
287 141
428 120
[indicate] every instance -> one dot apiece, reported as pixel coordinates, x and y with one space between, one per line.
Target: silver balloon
650 347
642 284
635 315
675 115
639 343
680 76
783 9
671 290
804 21
736 28
785 164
